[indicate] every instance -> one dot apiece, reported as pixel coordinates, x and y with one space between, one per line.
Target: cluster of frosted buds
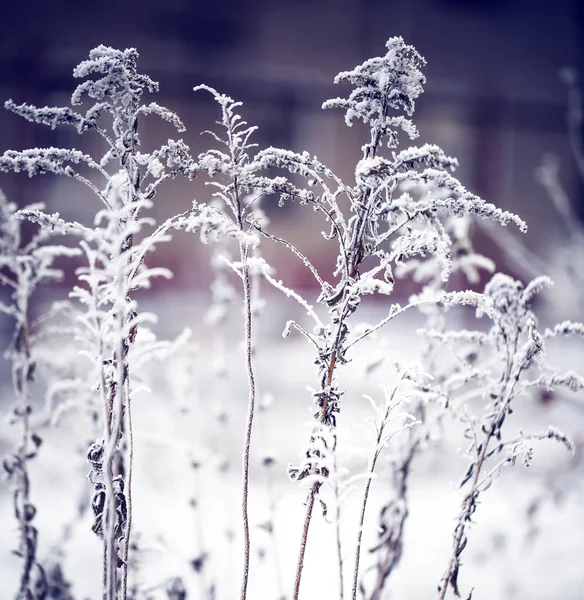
319 461
95 458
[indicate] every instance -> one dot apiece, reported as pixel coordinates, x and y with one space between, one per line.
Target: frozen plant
428 408
498 366
231 216
115 254
410 385
24 266
380 230
402 215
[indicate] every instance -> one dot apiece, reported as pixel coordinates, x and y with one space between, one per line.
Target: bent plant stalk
243 254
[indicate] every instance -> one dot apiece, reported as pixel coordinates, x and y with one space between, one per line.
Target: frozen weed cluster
403 216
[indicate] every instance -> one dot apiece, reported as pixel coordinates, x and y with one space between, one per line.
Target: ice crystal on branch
393 81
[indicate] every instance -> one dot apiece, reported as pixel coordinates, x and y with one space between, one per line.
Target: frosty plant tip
400 214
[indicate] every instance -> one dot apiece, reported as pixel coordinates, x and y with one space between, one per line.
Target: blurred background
493 98
493 95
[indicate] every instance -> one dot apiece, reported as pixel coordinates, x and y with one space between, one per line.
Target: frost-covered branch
115 265
382 229
25 268
512 348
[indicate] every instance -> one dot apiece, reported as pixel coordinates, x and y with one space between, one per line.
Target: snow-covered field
181 513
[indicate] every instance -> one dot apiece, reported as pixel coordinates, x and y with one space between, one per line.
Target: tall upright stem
250 414
126 541
23 493
338 534
316 485
307 518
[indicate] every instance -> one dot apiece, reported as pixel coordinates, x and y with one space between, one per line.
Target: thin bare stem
9 282
294 250
360 530
250 414
380 443
304 538
338 537
392 315
292 294
94 188
126 540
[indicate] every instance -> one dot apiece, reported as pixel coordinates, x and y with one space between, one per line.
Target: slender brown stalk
338 535
470 500
360 530
126 540
307 518
354 256
316 485
250 414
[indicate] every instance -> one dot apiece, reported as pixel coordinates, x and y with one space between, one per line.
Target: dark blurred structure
493 97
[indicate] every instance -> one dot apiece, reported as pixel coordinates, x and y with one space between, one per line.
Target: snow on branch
393 81
39 161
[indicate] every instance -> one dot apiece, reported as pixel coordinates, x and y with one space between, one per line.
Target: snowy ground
504 558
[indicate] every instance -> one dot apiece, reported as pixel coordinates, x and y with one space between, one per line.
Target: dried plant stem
118 408
353 257
393 546
303 540
467 508
360 530
250 413
126 541
110 559
338 534
316 485
379 445
124 381
470 500
23 491
114 413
